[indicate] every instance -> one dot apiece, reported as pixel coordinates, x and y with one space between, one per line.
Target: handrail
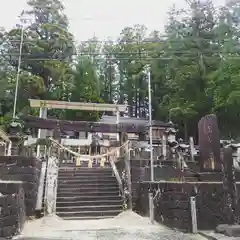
115 171
127 196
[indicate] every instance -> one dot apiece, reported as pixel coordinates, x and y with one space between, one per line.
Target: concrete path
217 236
126 226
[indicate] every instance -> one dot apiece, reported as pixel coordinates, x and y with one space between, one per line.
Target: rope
2 143
89 156
4 136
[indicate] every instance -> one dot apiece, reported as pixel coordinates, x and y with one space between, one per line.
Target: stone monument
209 144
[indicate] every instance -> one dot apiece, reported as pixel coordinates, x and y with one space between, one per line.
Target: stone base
229 230
233 231
210 177
222 228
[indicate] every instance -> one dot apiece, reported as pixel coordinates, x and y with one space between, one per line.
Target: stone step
89 217
87 185
86 173
85 164
88 203
91 197
92 213
191 179
88 193
85 169
88 181
87 189
89 208
85 176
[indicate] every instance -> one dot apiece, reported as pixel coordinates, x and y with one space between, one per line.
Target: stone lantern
16 137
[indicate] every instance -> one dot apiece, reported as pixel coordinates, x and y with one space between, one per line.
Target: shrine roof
133 120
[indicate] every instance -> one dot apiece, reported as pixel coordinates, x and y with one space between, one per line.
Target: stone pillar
229 186
42 133
192 148
117 122
164 147
118 137
57 137
141 137
52 176
209 144
16 138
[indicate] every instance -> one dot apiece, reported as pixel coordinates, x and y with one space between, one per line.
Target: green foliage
194 66
84 89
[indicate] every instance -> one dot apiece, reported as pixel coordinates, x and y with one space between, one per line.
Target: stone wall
137 175
27 170
140 172
12 208
172 203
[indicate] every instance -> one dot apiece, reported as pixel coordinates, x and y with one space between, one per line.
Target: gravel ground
126 226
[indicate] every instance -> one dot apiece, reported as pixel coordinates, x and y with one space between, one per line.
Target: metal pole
151 207
193 214
150 123
18 74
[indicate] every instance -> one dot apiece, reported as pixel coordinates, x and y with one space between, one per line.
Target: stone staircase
87 193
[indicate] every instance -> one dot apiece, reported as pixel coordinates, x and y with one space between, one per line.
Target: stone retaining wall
12 208
172 203
27 170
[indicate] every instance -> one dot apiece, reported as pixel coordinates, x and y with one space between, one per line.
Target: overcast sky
104 18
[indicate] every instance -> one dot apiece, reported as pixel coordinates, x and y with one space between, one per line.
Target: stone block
221 228
10 231
233 231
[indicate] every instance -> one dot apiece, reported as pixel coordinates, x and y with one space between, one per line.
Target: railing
117 175
122 171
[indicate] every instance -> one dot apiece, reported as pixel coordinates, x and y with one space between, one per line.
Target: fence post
129 178
164 147
151 207
191 142
193 214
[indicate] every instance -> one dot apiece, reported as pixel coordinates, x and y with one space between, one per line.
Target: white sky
104 18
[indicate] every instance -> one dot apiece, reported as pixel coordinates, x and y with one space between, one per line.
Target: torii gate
44 105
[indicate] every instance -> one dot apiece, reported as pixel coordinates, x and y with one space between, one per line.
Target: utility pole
23 21
150 195
150 123
18 73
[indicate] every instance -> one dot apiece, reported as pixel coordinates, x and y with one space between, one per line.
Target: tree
194 66
46 42
193 53
225 82
46 58
84 90
130 54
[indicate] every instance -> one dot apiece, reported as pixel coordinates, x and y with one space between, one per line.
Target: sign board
101 107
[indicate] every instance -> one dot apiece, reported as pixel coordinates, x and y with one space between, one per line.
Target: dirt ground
126 226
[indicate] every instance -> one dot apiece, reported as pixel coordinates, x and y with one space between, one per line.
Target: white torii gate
44 105
49 104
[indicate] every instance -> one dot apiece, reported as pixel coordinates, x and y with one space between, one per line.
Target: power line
131 54
122 41
145 58
140 53
143 51
182 57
